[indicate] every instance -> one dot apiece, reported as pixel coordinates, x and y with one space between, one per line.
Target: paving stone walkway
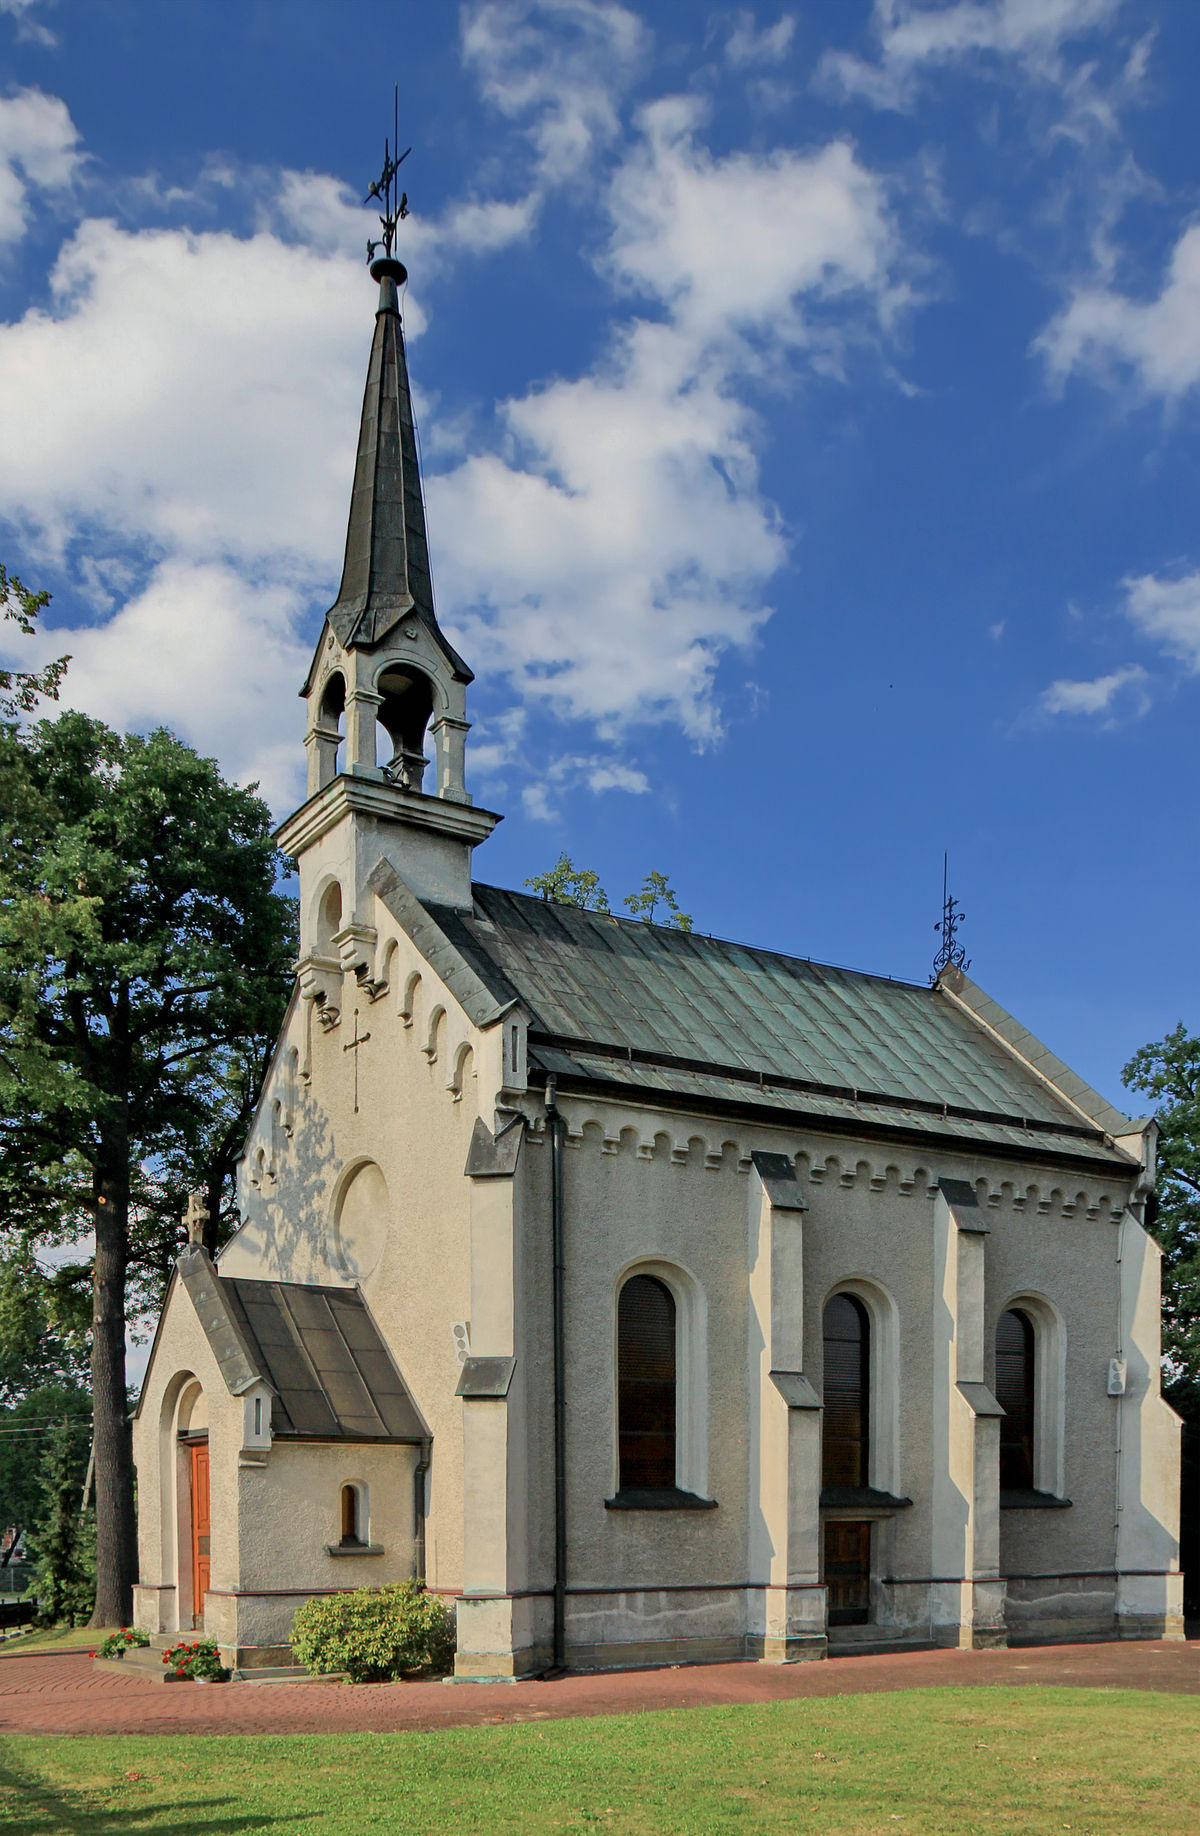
62 1693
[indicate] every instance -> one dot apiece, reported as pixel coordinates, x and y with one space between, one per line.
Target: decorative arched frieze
461 1068
433 1033
408 1000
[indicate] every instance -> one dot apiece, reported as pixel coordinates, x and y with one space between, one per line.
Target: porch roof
322 1354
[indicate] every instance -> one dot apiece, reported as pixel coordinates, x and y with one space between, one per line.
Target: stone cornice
353 795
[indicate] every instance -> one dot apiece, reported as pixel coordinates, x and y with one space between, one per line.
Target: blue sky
809 409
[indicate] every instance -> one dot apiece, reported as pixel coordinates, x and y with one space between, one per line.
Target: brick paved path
61 1693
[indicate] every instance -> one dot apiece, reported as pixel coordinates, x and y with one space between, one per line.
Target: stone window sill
1033 1501
657 1498
862 1498
354 1548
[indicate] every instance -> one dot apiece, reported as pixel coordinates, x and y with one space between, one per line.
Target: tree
145 960
28 1434
20 690
656 891
63 1540
566 884
1169 1072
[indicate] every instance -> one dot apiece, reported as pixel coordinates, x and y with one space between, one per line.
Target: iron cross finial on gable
951 953
383 190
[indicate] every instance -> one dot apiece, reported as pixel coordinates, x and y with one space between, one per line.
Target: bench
17 1613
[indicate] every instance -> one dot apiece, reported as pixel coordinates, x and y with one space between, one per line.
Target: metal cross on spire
384 189
951 953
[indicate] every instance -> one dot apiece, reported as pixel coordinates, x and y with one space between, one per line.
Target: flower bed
195 1660
118 1643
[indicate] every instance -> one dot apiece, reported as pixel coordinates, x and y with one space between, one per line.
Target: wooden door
200 1527
848 1572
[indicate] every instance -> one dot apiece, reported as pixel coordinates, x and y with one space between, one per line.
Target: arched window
646 1384
1015 1345
846 1424
351 1515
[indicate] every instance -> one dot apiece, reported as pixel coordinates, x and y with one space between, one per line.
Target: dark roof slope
321 1352
615 1000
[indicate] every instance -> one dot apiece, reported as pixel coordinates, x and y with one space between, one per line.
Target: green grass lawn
54 1638
948 1762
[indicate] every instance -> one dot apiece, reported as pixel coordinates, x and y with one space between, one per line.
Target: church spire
385 575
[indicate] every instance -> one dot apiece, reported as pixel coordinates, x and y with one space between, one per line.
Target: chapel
653 1298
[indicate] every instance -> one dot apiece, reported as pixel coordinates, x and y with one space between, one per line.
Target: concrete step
287 1673
873 1641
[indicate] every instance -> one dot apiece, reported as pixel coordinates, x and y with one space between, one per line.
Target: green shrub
376 1635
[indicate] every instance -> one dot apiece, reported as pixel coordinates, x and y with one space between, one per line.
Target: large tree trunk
116 1530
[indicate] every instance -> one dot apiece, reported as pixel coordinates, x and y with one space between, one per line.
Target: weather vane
951 954
384 189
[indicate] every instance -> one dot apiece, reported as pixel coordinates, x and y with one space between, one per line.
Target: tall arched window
846 1424
1015 1394
646 1384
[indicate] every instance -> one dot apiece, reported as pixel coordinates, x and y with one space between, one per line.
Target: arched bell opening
328 733
329 919
404 715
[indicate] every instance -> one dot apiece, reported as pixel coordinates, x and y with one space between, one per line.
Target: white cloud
324 214
749 242
746 45
596 563
607 559
194 394
912 37
27 26
1169 612
1098 696
541 798
38 143
205 650
558 65
1157 340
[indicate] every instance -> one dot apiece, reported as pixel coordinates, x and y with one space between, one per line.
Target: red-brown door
200 1529
848 1572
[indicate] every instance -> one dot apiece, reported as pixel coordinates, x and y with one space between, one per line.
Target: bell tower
386 692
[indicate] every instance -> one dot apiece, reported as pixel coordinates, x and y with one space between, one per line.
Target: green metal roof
613 1000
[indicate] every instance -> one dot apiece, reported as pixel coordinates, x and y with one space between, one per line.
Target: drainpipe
554 1118
419 1472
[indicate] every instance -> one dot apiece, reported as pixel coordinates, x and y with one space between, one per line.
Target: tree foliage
145 960
29 1433
21 690
566 884
62 1542
1168 1072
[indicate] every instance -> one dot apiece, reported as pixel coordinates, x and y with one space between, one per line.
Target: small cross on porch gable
352 1045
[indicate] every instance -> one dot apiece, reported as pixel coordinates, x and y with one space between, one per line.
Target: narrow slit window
1015 1394
350 1514
646 1400
845 1426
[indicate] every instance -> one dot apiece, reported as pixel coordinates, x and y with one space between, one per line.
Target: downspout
419 1472
555 1120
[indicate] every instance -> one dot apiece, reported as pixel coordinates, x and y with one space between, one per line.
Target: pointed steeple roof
385 575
